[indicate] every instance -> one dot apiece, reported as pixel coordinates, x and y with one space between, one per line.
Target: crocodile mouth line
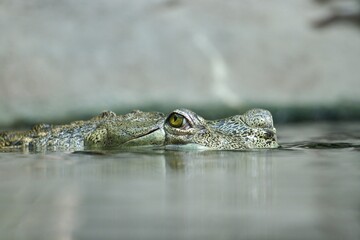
143 135
151 131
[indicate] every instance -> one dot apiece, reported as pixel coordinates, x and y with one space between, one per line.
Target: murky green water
309 189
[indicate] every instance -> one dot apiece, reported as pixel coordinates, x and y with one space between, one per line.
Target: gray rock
58 58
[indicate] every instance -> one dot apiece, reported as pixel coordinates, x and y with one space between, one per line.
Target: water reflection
309 191
250 170
43 215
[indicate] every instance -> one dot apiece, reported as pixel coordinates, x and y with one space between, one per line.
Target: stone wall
60 58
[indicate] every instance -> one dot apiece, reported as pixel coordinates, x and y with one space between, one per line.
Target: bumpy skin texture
106 130
254 129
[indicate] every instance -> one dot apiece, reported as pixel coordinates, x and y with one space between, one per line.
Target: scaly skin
252 130
180 128
106 130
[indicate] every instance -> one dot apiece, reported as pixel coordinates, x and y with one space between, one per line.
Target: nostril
269 134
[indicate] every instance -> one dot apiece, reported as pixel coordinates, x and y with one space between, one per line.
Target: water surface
308 189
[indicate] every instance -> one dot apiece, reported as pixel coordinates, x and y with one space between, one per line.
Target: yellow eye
176 120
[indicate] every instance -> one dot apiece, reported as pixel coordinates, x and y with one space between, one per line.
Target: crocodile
180 128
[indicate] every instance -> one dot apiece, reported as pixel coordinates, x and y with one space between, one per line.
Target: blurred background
63 59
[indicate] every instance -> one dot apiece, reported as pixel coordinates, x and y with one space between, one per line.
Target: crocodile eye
176 120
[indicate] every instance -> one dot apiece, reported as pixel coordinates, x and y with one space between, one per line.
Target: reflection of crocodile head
182 128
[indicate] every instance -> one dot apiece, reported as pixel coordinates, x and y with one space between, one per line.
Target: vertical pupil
176 120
